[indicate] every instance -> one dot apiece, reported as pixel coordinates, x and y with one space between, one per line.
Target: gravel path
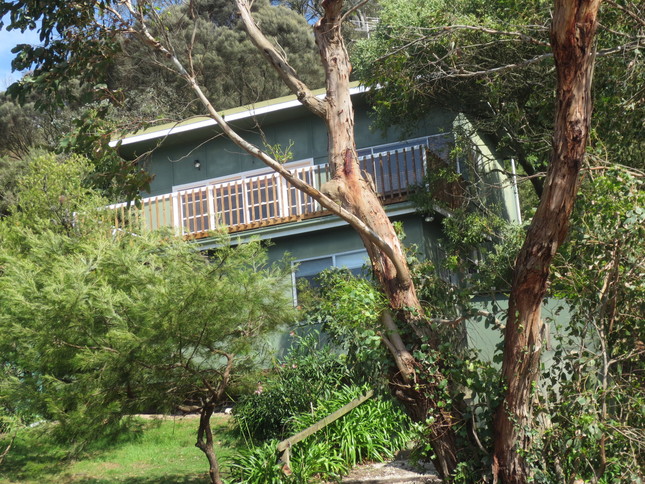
399 470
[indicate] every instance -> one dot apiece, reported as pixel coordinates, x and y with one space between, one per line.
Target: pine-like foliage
97 323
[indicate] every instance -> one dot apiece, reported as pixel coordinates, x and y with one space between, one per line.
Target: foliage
590 407
348 311
372 431
479 245
491 61
594 396
313 381
258 465
10 171
86 131
110 326
99 323
98 81
308 372
49 194
22 128
110 64
89 135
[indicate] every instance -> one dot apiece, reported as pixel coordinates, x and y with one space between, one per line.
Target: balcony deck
266 200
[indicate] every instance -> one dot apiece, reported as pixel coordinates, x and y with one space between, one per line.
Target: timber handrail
284 448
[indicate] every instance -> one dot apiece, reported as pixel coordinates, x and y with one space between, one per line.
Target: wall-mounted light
197 164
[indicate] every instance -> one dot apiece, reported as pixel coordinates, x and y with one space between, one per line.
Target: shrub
258 465
374 430
307 374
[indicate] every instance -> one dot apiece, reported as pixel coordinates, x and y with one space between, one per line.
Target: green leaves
98 323
373 431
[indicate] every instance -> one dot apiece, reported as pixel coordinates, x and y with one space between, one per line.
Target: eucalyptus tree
492 60
473 47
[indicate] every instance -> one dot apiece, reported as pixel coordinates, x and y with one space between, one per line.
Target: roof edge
229 115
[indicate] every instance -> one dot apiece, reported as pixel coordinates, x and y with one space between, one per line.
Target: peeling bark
572 34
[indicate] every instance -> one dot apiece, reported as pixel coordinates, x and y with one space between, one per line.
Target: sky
8 40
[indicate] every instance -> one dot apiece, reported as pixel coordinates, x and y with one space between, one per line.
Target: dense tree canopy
114 65
492 61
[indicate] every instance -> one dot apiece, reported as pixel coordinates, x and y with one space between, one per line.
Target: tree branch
640 20
279 63
352 10
392 339
324 200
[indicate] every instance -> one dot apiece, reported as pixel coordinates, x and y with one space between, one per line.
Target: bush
258 465
307 374
374 430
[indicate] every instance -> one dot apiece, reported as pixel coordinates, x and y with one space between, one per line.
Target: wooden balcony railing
266 200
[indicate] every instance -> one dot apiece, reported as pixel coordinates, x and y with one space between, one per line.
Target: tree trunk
347 194
205 432
205 442
572 34
349 188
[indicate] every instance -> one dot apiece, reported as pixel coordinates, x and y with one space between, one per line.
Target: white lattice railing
266 199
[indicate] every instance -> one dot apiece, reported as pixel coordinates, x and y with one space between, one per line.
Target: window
308 269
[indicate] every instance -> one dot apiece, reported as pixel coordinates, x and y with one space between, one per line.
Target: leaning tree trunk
351 192
349 188
572 34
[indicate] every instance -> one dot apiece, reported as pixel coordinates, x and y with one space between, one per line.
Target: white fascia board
249 113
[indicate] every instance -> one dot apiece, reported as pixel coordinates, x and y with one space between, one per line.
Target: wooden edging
284 447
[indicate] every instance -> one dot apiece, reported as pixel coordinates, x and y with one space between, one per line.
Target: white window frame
326 256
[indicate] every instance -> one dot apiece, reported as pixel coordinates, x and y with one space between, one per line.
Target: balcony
261 201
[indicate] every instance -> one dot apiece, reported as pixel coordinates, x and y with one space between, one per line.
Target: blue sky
8 40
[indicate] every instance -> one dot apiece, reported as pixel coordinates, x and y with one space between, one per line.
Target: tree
100 324
91 32
476 54
599 275
492 61
225 63
572 39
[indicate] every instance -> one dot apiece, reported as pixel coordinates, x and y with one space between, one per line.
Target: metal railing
266 200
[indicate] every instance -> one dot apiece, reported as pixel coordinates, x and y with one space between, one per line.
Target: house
202 181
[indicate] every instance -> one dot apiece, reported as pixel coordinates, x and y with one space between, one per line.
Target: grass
159 452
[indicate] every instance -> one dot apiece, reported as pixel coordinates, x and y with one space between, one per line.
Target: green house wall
172 162
424 235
